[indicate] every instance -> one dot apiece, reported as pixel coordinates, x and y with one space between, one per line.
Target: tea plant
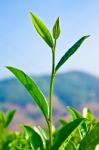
5 119
11 140
33 88
5 136
86 137
63 137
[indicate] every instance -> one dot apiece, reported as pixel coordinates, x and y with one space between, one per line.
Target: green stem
51 94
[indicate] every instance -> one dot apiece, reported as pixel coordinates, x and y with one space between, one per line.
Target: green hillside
72 88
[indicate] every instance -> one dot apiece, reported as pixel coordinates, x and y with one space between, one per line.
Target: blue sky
21 46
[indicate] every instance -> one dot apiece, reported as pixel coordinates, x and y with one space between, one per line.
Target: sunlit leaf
42 29
35 137
2 118
70 52
63 121
43 133
70 146
65 133
87 113
9 117
33 89
75 115
91 139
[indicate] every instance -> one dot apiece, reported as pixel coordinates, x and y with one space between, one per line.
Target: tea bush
70 135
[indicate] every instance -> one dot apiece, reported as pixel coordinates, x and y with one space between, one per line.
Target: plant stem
50 99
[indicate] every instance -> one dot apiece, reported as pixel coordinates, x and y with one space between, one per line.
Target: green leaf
43 133
70 146
9 117
91 139
33 89
88 114
56 29
91 121
35 137
63 121
70 52
2 118
65 133
42 29
75 115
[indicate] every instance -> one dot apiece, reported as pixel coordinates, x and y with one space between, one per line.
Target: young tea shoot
38 136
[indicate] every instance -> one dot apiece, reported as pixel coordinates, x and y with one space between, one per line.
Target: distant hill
77 89
72 88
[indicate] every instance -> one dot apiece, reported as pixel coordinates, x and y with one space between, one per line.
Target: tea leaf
70 52
70 146
75 115
63 121
9 117
33 89
43 133
65 133
56 29
2 118
42 29
35 137
91 139
87 113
